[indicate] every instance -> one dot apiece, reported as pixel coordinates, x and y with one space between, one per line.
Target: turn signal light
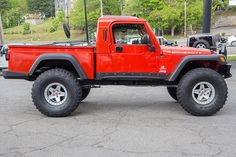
222 59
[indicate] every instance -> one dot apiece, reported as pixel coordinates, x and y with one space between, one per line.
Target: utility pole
1 31
207 16
101 7
185 18
86 21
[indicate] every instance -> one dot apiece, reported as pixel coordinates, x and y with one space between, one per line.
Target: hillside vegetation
165 16
40 33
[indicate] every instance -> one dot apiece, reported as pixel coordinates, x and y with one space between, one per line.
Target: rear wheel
201 44
202 92
172 92
56 93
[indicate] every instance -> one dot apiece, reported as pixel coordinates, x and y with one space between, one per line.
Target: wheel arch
191 62
57 60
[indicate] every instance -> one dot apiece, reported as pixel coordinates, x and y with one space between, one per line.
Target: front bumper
14 75
225 70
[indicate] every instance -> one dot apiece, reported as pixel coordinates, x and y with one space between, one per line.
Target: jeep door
131 50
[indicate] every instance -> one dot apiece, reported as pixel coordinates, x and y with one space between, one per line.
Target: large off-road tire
85 93
172 92
201 44
56 93
202 92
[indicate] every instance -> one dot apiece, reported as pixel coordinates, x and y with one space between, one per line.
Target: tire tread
66 75
195 73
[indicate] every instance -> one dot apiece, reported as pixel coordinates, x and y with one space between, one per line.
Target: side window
130 34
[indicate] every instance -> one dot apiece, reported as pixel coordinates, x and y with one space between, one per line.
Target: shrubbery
26 28
59 19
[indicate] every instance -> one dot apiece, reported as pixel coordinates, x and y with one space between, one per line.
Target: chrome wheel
55 94
201 46
203 93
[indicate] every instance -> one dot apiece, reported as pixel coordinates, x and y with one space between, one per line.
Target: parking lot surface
114 121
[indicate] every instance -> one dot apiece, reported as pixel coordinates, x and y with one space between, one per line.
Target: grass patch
40 33
231 57
169 37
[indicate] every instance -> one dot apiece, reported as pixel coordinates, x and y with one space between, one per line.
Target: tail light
7 56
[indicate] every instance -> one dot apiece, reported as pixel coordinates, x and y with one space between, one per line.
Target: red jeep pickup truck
126 53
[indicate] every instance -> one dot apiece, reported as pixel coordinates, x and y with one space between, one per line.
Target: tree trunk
191 28
173 31
162 32
1 31
159 32
182 31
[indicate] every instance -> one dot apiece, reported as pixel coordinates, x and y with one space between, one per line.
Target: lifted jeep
126 53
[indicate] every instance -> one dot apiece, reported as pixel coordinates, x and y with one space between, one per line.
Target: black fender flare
54 56
188 59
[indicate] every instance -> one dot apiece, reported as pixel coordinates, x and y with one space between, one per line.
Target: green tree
110 7
77 17
13 17
134 8
19 4
57 21
13 12
45 7
4 6
172 16
194 15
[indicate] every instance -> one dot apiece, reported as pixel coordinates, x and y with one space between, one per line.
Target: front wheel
202 92
172 92
56 93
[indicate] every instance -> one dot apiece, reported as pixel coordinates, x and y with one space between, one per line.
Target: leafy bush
223 34
13 17
57 21
26 28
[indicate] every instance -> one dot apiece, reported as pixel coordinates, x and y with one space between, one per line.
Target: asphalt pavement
114 121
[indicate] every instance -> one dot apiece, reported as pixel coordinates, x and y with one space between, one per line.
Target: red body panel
134 58
23 57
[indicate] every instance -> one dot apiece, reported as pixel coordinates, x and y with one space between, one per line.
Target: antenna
86 21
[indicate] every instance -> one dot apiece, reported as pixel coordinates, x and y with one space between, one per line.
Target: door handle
119 49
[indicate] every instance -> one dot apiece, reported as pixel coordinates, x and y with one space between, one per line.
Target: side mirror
151 48
66 28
